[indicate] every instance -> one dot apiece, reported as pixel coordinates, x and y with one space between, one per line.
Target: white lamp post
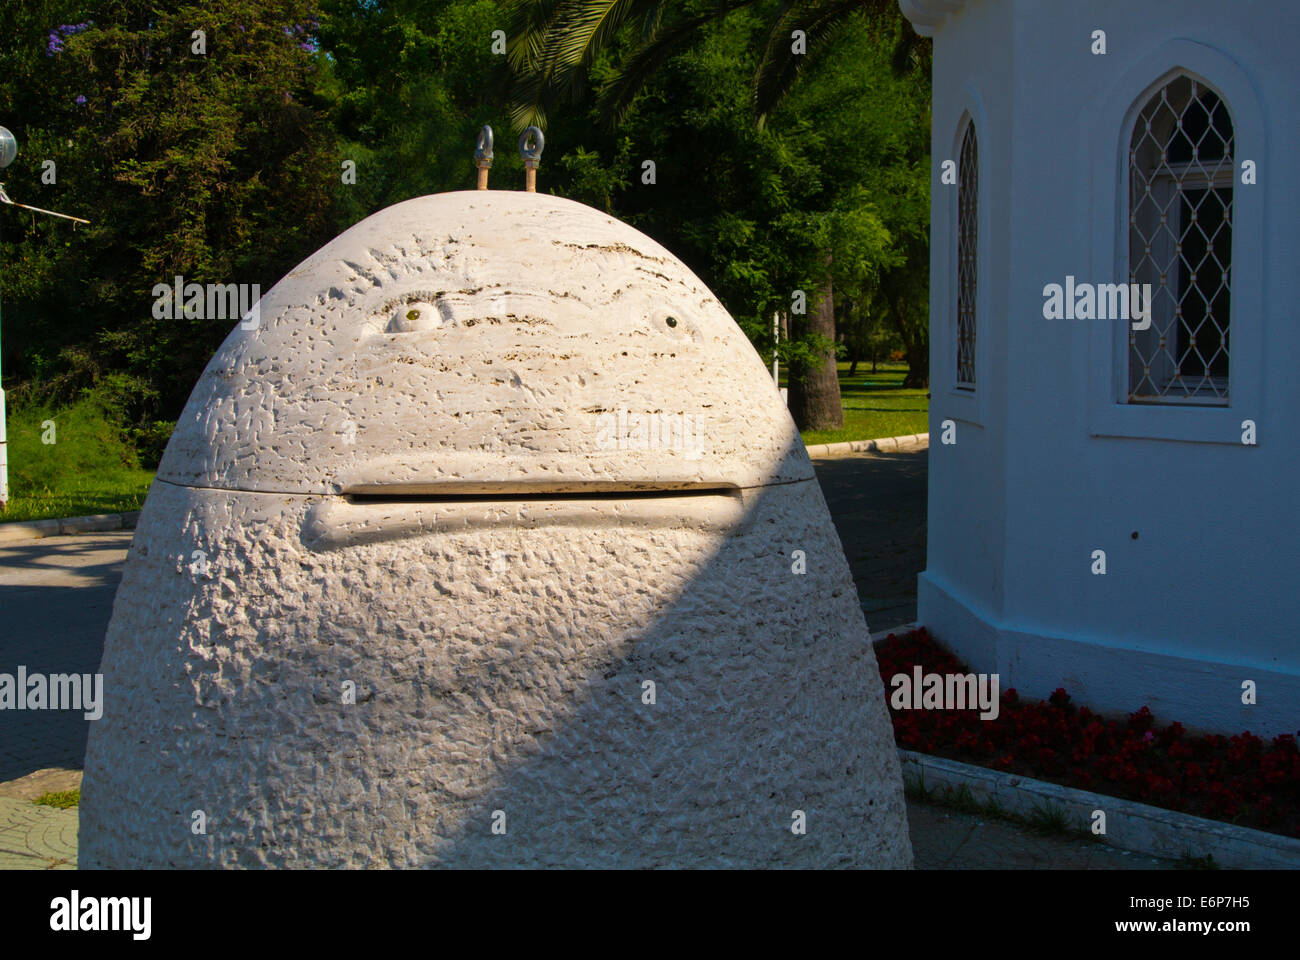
8 150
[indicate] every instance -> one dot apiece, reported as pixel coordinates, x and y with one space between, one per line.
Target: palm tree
553 43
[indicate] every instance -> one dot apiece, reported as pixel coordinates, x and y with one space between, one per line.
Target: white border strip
38 529
1132 826
910 442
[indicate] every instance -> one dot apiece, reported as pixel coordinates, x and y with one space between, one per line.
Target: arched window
967 215
1180 242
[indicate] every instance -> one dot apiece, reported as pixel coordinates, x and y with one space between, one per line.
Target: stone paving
944 839
36 837
43 838
56 595
878 503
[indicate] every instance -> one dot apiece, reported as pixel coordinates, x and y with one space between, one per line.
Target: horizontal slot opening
603 492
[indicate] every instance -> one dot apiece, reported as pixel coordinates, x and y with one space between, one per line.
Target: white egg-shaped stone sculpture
487 541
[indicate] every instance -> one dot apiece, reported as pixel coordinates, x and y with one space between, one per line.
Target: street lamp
8 151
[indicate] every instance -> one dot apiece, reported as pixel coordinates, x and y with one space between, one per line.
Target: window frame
1110 133
971 131
1178 179
948 401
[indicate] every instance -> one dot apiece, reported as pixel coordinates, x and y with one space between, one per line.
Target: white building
1118 142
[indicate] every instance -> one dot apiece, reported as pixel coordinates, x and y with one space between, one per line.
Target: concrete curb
38 529
913 441
902 630
1131 826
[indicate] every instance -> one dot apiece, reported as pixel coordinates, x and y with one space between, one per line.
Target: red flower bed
1240 779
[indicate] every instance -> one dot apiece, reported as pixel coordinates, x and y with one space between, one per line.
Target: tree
864 331
226 166
555 43
413 81
205 155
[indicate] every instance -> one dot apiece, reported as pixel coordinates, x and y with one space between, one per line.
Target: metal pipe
4 198
483 156
531 145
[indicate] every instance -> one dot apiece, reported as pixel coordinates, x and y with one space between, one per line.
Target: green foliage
412 82
555 45
1048 817
755 211
593 183
90 467
227 166
876 405
62 799
216 166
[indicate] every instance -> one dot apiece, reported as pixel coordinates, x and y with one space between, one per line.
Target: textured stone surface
498 646
533 316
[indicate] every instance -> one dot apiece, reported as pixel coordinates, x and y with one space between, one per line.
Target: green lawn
875 406
87 469
109 493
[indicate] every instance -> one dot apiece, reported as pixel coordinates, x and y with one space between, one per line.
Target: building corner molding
928 15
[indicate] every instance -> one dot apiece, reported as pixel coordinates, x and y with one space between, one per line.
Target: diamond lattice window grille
967 211
1180 242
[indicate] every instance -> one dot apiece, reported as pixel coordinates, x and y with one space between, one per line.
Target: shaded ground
56 596
43 838
944 839
878 503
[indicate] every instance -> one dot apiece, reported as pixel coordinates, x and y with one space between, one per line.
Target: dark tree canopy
773 172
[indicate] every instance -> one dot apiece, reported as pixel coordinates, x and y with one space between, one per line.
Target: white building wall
1208 594
968 482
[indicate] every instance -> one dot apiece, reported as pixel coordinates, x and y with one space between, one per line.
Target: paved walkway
36 837
944 839
878 503
56 596
43 838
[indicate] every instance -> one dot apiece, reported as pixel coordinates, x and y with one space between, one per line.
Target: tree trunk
815 391
918 364
916 349
916 343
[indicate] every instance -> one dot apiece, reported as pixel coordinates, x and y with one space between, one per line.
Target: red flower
1238 777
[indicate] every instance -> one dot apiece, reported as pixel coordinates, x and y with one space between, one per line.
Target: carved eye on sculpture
409 317
675 325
